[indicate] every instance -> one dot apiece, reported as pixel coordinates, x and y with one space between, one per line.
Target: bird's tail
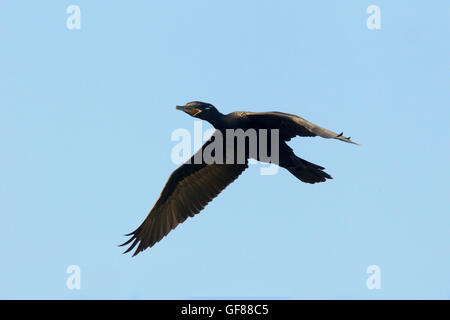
308 172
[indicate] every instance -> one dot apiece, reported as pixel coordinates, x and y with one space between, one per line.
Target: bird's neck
218 121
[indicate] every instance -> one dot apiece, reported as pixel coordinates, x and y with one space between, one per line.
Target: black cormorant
194 184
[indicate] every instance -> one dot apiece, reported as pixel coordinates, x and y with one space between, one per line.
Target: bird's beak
189 110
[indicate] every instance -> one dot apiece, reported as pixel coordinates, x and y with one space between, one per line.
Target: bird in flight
195 183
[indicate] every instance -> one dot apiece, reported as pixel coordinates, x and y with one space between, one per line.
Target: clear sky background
85 123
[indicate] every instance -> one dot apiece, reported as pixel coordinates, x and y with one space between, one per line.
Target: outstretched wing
291 125
186 193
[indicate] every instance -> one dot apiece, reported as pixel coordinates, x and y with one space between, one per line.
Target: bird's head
201 110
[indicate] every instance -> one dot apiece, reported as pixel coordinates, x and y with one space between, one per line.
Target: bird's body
201 178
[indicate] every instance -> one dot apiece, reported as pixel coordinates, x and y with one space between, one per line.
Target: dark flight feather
291 126
188 190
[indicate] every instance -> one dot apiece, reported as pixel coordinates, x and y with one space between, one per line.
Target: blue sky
85 123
